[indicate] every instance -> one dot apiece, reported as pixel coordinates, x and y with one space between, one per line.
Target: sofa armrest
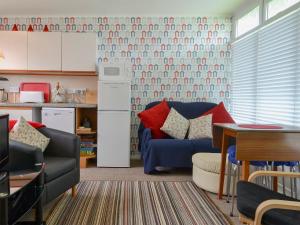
146 137
62 144
23 156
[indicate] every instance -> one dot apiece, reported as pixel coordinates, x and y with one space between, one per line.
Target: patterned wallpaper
178 58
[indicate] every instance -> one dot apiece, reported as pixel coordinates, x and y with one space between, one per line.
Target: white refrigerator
113 123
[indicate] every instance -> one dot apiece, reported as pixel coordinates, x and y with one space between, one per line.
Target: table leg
245 170
225 143
74 191
39 213
275 181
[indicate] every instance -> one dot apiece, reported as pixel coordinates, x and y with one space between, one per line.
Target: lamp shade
1 55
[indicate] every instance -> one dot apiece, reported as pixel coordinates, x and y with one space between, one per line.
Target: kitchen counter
50 105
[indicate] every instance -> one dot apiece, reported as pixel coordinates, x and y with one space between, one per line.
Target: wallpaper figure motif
177 58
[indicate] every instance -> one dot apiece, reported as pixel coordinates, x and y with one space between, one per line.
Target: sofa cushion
175 125
58 166
25 133
201 127
220 114
154 118
251 195
34 124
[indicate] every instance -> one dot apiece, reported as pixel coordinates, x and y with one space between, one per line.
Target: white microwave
114 72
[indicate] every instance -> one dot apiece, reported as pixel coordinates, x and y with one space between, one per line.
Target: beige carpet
135 172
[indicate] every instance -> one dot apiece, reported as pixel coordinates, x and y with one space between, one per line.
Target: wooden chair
258 205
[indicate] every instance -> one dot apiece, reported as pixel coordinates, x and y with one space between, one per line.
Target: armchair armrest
62 144
23 156
274 204
256 174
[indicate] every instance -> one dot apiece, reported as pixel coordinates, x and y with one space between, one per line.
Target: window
266 74
243 92
276 6
247 22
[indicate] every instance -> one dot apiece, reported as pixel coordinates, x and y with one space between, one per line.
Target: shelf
85 132
84 160
48 73
88 156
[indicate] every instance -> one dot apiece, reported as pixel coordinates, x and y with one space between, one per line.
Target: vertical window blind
266 74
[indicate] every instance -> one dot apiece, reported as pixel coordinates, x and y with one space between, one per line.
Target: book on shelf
87 153
87 139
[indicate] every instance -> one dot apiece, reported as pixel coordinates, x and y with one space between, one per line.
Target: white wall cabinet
49 51
14 47
44 51
78 52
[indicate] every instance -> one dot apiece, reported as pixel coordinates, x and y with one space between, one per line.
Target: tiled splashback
178 58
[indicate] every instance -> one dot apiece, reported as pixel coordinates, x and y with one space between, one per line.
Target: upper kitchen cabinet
14 47
78 51
44 51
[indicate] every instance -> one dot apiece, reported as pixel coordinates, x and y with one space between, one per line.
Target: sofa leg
74 191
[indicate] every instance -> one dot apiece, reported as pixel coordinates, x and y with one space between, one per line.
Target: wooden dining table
274 144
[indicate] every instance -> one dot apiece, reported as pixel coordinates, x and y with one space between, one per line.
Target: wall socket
76 90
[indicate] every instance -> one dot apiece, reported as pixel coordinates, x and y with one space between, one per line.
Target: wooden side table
256 144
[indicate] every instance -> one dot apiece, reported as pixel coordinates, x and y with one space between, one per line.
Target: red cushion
154 118
219 114
36 125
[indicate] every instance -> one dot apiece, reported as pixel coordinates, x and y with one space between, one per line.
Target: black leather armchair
62 157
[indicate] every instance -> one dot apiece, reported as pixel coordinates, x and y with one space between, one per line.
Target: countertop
52 105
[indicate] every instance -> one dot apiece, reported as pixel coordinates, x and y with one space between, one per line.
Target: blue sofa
171 152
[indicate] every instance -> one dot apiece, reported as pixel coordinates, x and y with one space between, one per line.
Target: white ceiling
117 7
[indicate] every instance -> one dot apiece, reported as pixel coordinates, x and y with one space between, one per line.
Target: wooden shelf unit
91 114
84 160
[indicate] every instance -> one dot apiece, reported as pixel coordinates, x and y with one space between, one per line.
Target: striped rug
136 203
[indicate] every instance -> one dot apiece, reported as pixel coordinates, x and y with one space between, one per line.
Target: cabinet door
44 51
14 47
78 51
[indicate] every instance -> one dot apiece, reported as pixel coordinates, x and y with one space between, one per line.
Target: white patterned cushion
201 127
25 133
175 125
